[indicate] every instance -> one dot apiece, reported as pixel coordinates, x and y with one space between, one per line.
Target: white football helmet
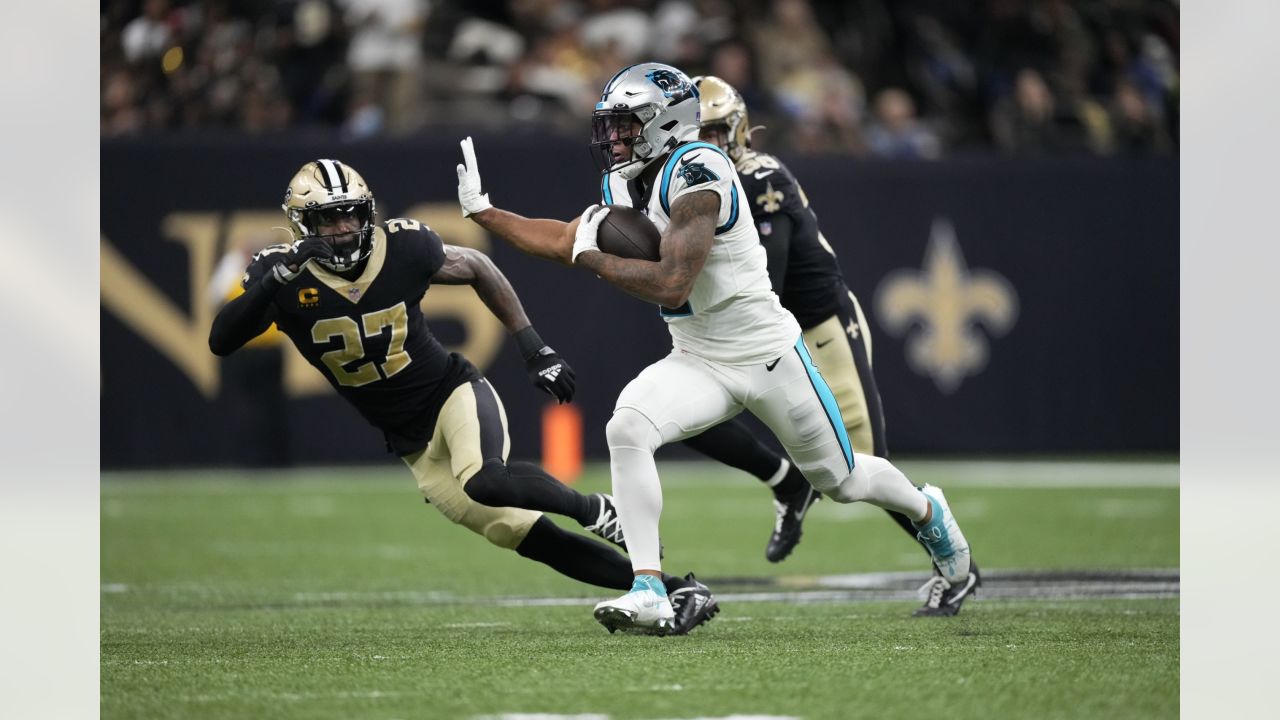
658 98
330 188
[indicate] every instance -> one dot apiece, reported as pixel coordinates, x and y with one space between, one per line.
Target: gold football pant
471 428
841 348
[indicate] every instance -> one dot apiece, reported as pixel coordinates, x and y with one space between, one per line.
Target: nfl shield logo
766 228
353 293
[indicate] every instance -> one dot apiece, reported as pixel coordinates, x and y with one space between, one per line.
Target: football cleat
693 603
942 599
942 537
641 611
607 524
788 521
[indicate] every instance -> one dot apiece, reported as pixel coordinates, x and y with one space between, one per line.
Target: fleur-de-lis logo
771 200
947 301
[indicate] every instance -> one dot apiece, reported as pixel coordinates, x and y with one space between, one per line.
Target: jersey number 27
396 317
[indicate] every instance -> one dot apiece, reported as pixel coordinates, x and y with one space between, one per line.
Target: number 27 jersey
368 336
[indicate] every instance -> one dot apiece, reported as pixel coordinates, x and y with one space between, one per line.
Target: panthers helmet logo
671 84
695 173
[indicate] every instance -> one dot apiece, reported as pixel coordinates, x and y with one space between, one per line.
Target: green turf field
337 593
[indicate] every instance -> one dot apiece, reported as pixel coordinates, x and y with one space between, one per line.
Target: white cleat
643 612
942 536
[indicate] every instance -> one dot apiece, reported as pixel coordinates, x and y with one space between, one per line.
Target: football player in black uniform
347 293
807 279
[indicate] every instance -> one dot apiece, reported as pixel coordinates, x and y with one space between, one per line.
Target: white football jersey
733 315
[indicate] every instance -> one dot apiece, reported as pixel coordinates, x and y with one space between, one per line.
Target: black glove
291 264
547 370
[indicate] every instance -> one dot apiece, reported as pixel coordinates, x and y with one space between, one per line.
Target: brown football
627 232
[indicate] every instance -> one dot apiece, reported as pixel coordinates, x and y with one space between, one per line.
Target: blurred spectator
1028 121
610 23
309 47
385 56
788 42
825 104
554 83
897 132
1135 126
147 36
1024 76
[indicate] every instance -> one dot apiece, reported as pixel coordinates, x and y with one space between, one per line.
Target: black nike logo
824 343
685 160
772 365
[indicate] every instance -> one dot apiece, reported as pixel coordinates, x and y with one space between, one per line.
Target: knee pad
504 533
855 485
489 485
630 429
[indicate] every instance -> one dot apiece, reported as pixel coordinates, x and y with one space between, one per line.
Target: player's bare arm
684 250
464 266
544 238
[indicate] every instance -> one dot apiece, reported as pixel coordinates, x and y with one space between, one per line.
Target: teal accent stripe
828 401
733 215
605 192
941 540
670 165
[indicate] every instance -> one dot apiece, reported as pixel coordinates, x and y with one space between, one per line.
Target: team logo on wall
941 307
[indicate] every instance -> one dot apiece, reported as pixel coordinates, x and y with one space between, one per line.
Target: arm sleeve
777 246
246 316
433 247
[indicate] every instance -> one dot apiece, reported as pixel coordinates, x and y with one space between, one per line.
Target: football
627 232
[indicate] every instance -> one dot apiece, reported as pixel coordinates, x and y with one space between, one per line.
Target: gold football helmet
323 192
724 112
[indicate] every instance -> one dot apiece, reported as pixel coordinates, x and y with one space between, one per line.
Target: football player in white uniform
809 283
734 346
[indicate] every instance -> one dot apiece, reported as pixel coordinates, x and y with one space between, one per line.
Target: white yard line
675 473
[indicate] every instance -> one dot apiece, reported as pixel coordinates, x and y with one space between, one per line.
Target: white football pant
682 395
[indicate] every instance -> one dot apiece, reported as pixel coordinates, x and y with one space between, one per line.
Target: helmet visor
346 227
612 134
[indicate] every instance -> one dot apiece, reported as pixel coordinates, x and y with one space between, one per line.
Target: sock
732 443
525 485
877 481
636 489
576 556
907 526
649 582
934 518
792 482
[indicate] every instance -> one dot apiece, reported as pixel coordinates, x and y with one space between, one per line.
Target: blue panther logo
671 84
695 173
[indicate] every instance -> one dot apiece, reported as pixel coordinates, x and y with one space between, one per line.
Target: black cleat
942 599
693 602
607 524
787 525
609 527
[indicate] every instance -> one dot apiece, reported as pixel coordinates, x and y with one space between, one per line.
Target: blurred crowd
886 78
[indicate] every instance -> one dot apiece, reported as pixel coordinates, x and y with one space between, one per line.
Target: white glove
469 195
584 240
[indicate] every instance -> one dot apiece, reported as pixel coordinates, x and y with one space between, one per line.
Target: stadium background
1043 135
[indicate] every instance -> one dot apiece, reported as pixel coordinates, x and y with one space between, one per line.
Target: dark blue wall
1086 248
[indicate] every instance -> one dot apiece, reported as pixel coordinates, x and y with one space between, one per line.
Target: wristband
529 343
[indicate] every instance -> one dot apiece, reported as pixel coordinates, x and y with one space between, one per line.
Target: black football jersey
368 336
812 282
